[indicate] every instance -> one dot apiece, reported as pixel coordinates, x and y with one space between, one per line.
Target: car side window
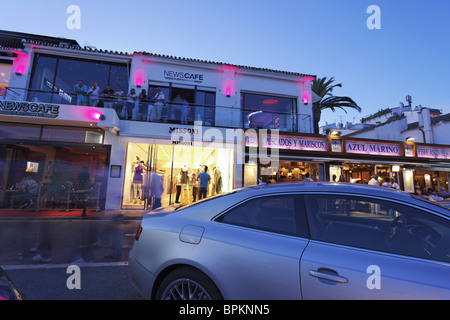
378 225
271 213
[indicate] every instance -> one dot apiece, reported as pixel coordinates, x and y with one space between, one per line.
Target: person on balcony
131 102
184 110
94 93
159 104
108 94
119 104
81 90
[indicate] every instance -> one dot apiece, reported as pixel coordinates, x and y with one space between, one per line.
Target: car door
366 248
260 242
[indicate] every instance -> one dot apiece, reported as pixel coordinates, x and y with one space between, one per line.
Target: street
99 281
99 239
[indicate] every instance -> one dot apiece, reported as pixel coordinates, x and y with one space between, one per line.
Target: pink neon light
92 114
21 63
270 101
139 81
139 77
229 79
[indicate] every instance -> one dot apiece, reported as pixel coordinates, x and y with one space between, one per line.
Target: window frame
366 198
302 227
57 59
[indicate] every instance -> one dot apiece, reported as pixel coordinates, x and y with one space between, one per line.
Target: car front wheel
187 284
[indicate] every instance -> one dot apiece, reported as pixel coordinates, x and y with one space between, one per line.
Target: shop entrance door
11 165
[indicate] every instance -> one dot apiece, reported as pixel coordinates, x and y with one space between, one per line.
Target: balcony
173 112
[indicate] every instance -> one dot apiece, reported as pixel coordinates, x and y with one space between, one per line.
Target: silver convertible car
295 241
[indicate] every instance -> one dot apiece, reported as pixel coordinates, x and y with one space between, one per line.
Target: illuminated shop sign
183 76
409 151
433 152
372 148
29 109
288 142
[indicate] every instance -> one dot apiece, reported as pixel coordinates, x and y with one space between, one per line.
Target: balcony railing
172 111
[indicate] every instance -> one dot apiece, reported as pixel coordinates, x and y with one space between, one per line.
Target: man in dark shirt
108 95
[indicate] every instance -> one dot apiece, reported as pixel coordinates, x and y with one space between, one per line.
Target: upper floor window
54 78
268 112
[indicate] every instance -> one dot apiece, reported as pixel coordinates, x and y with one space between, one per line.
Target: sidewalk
7 214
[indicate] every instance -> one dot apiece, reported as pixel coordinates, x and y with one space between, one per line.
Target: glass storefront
178 168
289 171
48 176
51 160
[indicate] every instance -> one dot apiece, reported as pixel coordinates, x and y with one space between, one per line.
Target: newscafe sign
29 109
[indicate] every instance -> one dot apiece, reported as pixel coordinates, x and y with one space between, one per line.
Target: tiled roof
76 47
223 63
15 40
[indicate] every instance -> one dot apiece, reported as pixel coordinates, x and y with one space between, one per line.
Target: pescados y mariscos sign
29 109
289 142
372 148
433 152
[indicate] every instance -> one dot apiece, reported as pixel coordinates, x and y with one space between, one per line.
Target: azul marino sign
29 109
372 148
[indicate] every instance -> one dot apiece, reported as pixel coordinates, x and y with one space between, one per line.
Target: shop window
289 171
53 133
19 131
177 167
56 170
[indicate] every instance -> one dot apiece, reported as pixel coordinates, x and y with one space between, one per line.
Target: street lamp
409 139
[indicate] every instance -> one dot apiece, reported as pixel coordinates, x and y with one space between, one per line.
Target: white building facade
50 131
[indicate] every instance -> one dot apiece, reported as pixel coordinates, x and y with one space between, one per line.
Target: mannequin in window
182 181
138 181
217 188
194 183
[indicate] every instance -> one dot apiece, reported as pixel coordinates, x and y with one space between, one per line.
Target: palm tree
323 87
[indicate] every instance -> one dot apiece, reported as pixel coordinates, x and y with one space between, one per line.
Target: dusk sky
409 55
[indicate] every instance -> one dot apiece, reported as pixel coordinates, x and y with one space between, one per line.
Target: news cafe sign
372 148
29 109
433 152
183 76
